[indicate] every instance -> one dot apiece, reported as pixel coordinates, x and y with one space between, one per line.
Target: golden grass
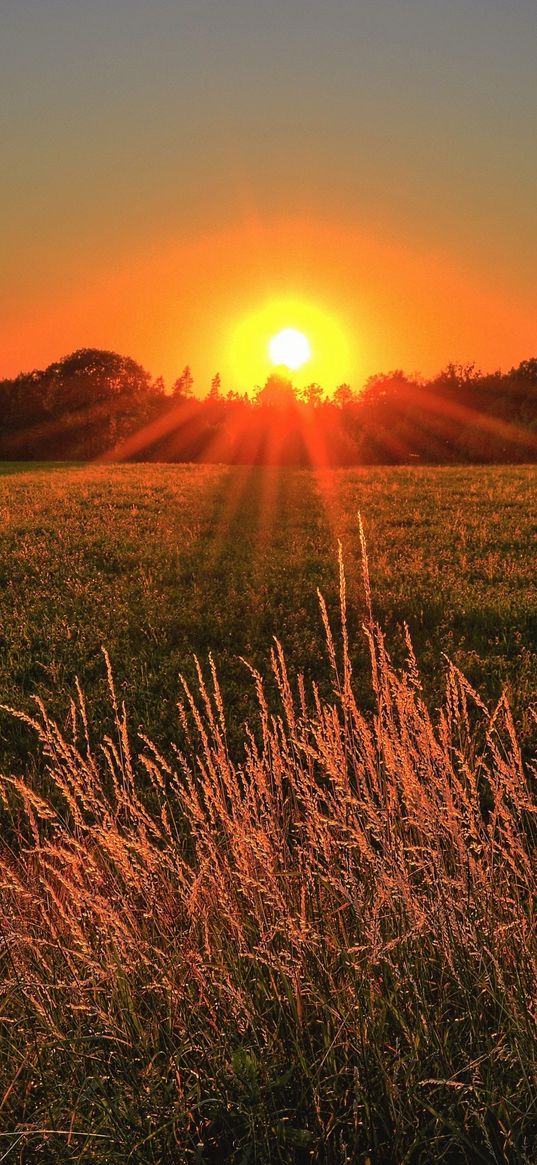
325 951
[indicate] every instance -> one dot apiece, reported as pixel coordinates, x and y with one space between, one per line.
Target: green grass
314 942
8 468
158 562
325 953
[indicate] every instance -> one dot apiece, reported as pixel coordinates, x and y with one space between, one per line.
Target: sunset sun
291 348
315 346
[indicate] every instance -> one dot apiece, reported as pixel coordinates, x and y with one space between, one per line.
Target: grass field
158 562
310 943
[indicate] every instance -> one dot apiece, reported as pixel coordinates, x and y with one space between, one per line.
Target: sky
181 178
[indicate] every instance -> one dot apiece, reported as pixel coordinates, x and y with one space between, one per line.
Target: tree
527 370
80 405
277 392
94 400
184 385
312 394
457 376
343 395
94 374
215 391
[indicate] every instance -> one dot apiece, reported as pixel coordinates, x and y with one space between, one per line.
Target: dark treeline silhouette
98 405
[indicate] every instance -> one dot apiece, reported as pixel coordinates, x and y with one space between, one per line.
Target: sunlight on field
156 562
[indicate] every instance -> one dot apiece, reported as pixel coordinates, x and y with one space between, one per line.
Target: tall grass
324 951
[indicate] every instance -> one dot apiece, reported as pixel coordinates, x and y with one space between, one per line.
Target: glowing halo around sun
293 333
290 348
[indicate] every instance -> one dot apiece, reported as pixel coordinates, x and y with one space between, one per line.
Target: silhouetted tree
183 387
80 405
94 401
343 395
215 391
277 392
312 395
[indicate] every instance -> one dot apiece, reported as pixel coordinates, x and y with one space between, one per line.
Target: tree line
96 404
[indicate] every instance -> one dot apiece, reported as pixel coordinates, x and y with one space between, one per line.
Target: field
156 563
311 941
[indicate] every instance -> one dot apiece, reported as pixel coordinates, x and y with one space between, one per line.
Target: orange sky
176 176
182 301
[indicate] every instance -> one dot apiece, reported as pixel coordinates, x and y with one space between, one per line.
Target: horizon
287 374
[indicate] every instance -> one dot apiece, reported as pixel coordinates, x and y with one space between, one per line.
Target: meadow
156 563
310 939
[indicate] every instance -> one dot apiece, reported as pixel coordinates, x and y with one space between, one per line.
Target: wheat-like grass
322 950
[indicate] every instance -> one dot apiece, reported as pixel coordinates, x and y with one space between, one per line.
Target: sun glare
291 348
315 348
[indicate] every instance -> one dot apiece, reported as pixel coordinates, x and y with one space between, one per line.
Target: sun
293 333
290 348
